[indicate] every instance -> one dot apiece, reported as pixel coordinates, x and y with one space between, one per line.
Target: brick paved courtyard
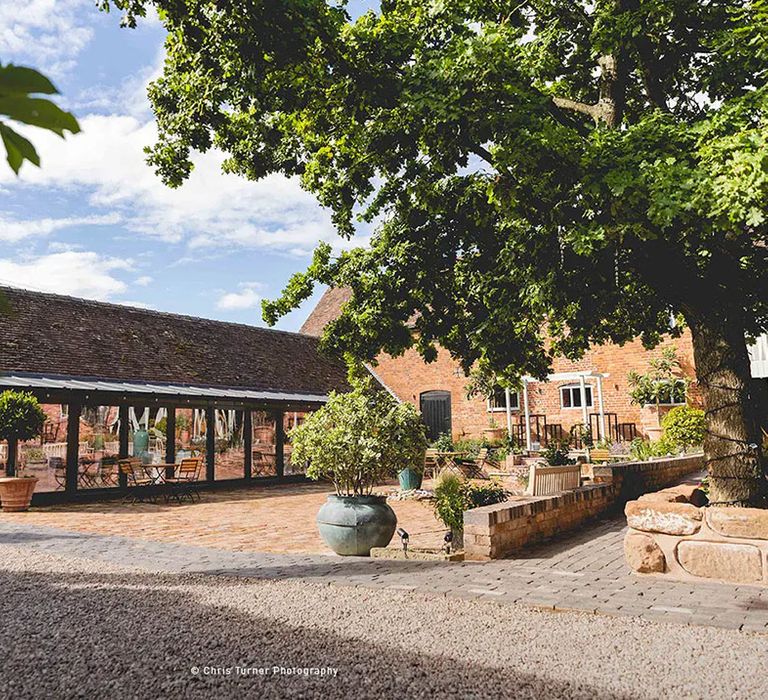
267 519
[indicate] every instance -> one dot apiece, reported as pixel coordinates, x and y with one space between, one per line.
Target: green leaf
18 148
39 112
19 80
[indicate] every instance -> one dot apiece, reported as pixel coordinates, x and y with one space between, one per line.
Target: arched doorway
435 409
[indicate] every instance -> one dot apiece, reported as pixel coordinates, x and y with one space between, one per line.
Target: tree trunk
732 443
13 449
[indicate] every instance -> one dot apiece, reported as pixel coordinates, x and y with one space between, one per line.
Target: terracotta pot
16 492
494 433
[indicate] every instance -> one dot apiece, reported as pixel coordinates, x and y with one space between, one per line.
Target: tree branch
576 106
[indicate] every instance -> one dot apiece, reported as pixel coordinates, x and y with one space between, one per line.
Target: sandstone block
643 554
664 496
739 563
751 523
667 518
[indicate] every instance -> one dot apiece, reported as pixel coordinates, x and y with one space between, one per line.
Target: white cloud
143 281
77 273
12 230
246 298
49 34
212 210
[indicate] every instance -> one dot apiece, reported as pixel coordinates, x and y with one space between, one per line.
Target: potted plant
493 433
356 440
653 391
21 418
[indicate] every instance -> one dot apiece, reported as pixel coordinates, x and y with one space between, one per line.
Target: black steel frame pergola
77 399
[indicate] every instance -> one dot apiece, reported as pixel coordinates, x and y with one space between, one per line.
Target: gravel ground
79 628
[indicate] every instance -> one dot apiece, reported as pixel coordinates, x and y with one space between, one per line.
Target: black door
436 413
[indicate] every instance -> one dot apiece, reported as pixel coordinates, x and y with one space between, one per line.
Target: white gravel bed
78 628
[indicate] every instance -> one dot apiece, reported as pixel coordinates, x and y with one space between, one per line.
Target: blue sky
96 222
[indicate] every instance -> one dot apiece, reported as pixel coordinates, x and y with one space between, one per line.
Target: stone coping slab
689 542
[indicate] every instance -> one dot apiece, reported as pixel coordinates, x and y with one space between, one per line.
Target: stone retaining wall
635 478
492 532
670 534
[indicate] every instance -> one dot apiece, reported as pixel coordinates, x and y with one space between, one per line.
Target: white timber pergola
581 378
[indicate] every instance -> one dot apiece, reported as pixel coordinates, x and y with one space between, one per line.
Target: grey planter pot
353 525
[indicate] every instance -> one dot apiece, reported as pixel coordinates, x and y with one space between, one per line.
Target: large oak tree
590 168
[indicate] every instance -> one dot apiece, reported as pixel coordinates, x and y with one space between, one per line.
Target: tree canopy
18 87
592 168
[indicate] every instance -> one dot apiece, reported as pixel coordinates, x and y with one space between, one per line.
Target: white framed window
498 402
64 413
570 396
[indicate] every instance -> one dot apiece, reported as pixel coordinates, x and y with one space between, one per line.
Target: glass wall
190 436
146 433
229 459
292 419
98 448
264 444
43 457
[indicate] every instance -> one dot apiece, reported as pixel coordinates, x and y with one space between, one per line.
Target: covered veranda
117 382
240 435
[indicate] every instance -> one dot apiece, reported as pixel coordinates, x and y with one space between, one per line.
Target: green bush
21 418
642 450
684 427
444 443
471 448
358 439
556 454
454 495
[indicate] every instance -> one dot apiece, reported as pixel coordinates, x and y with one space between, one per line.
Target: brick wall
496 531
493 532
635 478
408 376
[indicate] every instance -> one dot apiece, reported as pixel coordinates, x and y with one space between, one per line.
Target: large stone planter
353 525
16 492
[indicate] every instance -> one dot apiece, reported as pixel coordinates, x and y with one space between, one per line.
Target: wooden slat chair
261 465
183 484
599 455
139 484
430 462
108 471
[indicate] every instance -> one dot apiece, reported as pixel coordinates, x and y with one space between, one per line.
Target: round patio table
157 472
447 460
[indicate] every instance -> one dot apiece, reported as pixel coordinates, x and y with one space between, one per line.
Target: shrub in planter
454 495
21 418
356 441
556 454
684 427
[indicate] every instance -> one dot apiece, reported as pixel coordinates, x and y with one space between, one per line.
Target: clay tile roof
327 309
49 334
